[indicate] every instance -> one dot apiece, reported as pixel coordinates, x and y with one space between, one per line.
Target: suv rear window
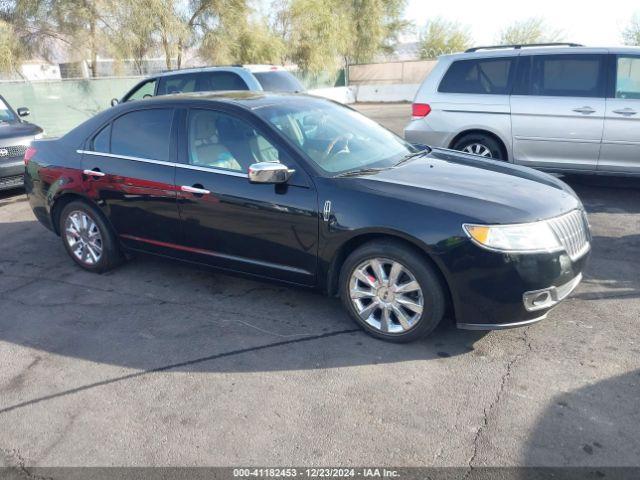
201 82
490 76
278 81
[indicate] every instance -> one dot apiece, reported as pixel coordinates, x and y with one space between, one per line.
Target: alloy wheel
386 295
478 149
83 237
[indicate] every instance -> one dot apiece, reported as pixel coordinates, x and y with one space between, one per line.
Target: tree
531 30
9 49
442 36
316 39
136 32
243 41
375 26
631 34
83 26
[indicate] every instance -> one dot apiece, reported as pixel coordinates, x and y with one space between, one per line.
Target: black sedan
304 191
15 137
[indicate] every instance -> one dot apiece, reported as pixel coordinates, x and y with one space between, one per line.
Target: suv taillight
420 109
28 154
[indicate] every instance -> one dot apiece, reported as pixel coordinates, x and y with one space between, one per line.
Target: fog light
539 299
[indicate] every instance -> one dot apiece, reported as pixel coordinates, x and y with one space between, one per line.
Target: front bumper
556 295
492 290
11 173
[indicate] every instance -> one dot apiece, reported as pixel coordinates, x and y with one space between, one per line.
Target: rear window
278 81
201 82
562 75
490 76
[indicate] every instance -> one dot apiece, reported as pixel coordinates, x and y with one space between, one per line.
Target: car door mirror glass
269 172
114 102
23 111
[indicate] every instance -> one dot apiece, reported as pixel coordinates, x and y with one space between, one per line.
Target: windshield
278 81
6 114
337 139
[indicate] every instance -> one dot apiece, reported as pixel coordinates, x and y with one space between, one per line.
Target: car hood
18 130
485 191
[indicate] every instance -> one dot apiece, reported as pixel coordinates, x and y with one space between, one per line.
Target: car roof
524 50
250 99
220 68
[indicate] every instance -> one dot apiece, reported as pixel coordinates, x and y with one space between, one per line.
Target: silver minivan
560 108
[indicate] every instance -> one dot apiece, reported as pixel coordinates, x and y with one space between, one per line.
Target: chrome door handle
625 111
93 173
194 190
585 110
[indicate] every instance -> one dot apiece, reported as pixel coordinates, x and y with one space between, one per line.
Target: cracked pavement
160 363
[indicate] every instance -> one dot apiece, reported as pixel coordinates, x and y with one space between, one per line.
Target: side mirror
269 172
23 111
114 102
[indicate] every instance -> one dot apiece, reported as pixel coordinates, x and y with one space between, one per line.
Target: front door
621 139
557 111
266 230
129 172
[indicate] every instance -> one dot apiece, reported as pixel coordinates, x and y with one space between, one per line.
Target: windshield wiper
411 156
361 171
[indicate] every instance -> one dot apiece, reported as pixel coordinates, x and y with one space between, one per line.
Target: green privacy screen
58 106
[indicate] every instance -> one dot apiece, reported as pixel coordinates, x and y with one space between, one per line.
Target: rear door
557 110
129 171
621 139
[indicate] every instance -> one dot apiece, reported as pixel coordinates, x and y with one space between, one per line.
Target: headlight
522 238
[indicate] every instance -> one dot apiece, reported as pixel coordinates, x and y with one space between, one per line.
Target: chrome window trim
167 164
212 170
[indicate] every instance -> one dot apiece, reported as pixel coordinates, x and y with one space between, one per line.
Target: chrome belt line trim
167 164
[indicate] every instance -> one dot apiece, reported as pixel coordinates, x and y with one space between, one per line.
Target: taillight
420 109
28 154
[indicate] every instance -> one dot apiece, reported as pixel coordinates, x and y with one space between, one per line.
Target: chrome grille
12 151
11 182
573 232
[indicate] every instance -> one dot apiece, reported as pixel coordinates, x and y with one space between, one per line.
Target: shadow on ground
594 426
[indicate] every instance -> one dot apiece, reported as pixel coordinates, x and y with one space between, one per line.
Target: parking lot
159 363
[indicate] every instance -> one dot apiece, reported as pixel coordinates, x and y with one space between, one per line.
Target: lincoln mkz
304 191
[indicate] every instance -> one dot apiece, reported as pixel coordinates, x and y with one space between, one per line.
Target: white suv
565 109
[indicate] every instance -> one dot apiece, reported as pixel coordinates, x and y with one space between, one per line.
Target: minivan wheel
391 292
89 241
482 145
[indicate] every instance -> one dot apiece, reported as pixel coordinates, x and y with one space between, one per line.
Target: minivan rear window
489 76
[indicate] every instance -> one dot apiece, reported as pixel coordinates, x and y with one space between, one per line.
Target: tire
479 144
417 323
75 234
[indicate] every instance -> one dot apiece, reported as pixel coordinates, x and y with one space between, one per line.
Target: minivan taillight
28 154
420 109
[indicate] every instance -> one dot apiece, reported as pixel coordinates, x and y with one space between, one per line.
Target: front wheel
88 239
392 292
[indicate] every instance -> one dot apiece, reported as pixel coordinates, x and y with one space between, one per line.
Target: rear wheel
482 145
89 241
392 292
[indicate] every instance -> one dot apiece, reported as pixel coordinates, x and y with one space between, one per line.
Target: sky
590 22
